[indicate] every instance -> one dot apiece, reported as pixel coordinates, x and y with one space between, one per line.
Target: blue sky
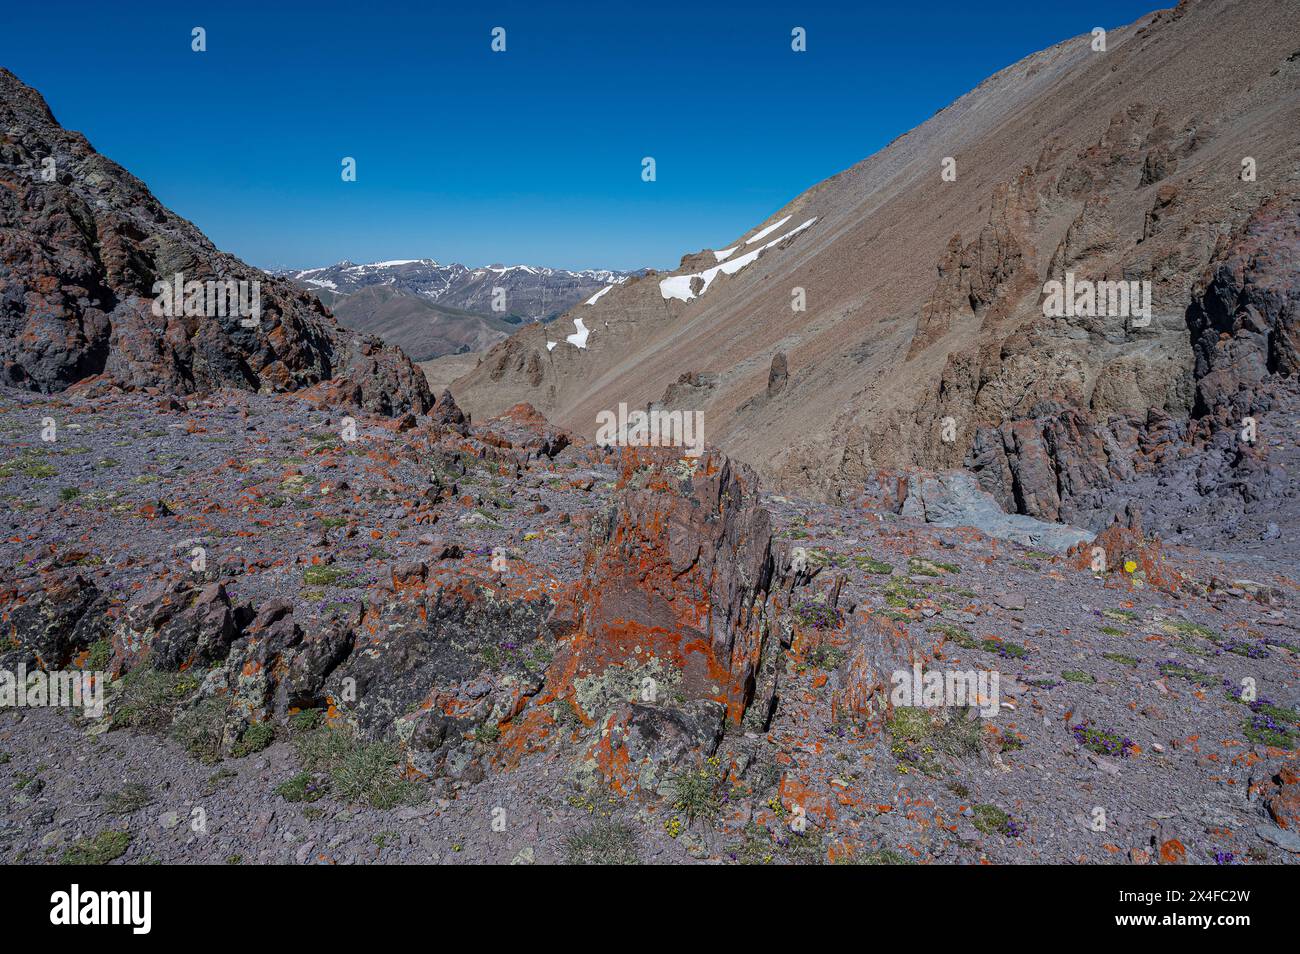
528 156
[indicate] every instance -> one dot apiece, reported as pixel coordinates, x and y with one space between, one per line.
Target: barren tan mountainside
924 296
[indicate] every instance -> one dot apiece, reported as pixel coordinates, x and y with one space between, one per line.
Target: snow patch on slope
579 338
764 233
679 286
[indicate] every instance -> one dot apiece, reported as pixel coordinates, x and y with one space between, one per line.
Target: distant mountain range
429 309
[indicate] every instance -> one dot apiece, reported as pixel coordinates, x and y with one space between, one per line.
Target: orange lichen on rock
679 574
1122 551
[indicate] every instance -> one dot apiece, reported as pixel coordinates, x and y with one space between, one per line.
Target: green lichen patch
1176 670
920 566
872 565
1121 658
98 849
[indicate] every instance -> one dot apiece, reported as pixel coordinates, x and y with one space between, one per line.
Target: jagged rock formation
680 572
678 606
54 615
1245 323
777 374
82 243
1069 464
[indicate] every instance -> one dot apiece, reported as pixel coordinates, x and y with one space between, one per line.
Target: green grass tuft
604 843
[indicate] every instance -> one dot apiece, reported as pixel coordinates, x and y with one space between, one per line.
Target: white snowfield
579 338
679 286
596 297
723 254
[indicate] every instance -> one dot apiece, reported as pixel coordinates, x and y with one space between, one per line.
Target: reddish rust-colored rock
1284 801
524 428
1123 551
679 573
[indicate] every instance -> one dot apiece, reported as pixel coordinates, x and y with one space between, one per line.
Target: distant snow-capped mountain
531 292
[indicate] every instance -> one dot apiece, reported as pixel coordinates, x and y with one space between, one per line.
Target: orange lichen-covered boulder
1284 801
1123 551
525 428
675 593
47 619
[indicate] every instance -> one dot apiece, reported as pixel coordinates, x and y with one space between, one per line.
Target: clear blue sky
528 156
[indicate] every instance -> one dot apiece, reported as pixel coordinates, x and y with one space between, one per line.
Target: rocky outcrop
677 583
448 413
82 244
49 618
689 391
669 637
176 624
1065 465
522 427
453 653
777 374
983 276
1245 324
1080 465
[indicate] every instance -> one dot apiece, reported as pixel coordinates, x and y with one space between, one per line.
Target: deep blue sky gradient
530 156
